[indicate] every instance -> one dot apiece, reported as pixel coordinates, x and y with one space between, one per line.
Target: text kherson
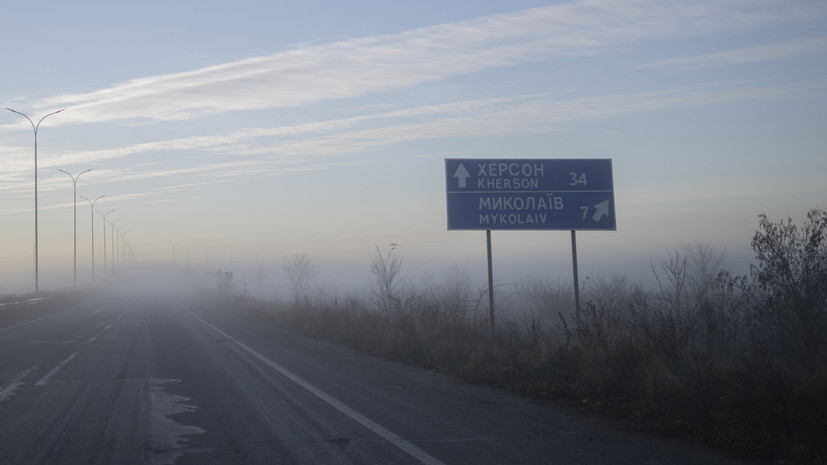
507 183
511 169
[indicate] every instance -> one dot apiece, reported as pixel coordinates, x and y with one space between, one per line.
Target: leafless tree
299 271
386 269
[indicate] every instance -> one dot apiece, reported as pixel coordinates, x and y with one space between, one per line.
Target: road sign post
530 194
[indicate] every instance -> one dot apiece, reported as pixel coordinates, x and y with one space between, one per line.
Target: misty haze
522 232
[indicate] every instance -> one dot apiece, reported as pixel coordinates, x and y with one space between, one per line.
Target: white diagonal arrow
602 210
462 175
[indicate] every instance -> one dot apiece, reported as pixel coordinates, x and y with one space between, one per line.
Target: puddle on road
167 435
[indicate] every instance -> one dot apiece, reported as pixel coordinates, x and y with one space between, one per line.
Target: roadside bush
788 288
735 361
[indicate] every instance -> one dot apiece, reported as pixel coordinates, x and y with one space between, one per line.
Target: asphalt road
150 378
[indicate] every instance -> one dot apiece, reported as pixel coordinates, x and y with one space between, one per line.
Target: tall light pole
75 183
122 250
112 224
35 127
104 215
92 204
118 244
129 251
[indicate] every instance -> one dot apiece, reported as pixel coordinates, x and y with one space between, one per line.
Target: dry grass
644 366
706 355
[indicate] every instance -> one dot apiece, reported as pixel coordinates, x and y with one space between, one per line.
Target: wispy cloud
64 205
174 200
312 73
776 51
192 185
517 115
257 150
321 144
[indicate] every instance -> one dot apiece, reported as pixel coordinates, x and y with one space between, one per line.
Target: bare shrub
299 271
614 308
789 285
548 298
456 297
386 269
697 308
731 361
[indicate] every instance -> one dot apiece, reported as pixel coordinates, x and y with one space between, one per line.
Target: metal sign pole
576 279
490 284
511 194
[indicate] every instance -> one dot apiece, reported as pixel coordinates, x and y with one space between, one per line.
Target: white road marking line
386 434
34 321
8 391
95 337
49 375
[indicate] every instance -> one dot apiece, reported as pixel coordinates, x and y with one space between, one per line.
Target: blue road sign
530 194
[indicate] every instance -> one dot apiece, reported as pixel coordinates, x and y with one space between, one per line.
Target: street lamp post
75 194
127 248
103 216
35 127
112 224
118 246
92 204
123 246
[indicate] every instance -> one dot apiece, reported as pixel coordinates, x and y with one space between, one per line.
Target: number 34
575 179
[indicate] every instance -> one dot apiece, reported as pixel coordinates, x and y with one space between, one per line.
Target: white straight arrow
462 175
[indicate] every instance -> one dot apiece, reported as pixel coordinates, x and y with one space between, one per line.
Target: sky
232 134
